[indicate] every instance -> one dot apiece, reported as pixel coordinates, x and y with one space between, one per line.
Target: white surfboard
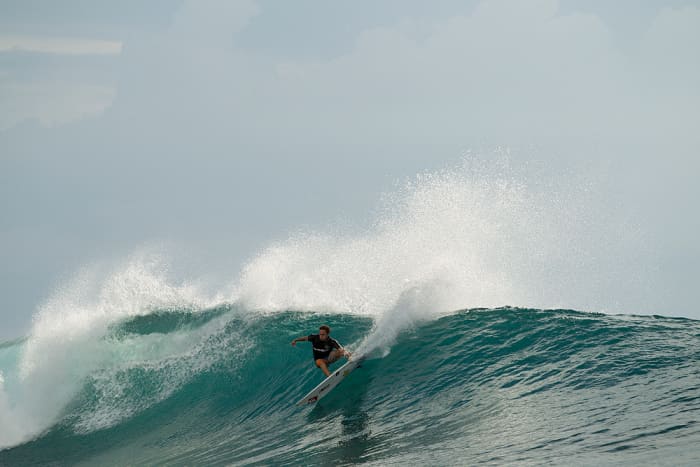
332 381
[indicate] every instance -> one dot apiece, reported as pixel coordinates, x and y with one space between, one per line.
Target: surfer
326 349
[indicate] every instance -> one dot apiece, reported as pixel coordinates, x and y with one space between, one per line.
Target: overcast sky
221 126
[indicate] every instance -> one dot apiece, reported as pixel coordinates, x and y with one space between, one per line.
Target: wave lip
70 341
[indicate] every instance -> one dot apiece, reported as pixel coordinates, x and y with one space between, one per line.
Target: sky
219 127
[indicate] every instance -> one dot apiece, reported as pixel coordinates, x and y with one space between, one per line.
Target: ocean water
495 386
132 363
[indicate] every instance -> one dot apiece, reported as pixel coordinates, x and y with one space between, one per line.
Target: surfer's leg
334 355
323 365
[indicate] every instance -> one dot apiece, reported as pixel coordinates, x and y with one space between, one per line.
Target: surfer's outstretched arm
299 339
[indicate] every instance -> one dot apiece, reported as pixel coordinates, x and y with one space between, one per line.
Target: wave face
505 386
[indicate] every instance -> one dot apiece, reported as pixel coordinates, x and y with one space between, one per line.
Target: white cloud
505 71
43 97
52 104
213 21
60 45
672 45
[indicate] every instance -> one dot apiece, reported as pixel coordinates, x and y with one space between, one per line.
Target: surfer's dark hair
325 328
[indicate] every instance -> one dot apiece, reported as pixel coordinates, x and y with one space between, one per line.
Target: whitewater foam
489 237
444 227
68 344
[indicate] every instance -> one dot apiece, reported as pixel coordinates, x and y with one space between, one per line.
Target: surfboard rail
325 386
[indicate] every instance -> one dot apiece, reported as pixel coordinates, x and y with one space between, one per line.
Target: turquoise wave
504 386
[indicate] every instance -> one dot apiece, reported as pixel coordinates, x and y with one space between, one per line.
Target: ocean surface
482 386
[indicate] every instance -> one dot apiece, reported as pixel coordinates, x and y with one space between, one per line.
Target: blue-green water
495 386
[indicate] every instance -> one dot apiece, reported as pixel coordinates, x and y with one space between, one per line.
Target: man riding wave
326 349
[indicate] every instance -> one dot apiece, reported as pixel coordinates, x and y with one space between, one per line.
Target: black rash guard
322 348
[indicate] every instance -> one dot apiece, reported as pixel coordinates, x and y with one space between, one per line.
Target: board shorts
327 359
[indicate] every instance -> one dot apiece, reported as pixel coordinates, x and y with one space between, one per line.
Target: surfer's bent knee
335 355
